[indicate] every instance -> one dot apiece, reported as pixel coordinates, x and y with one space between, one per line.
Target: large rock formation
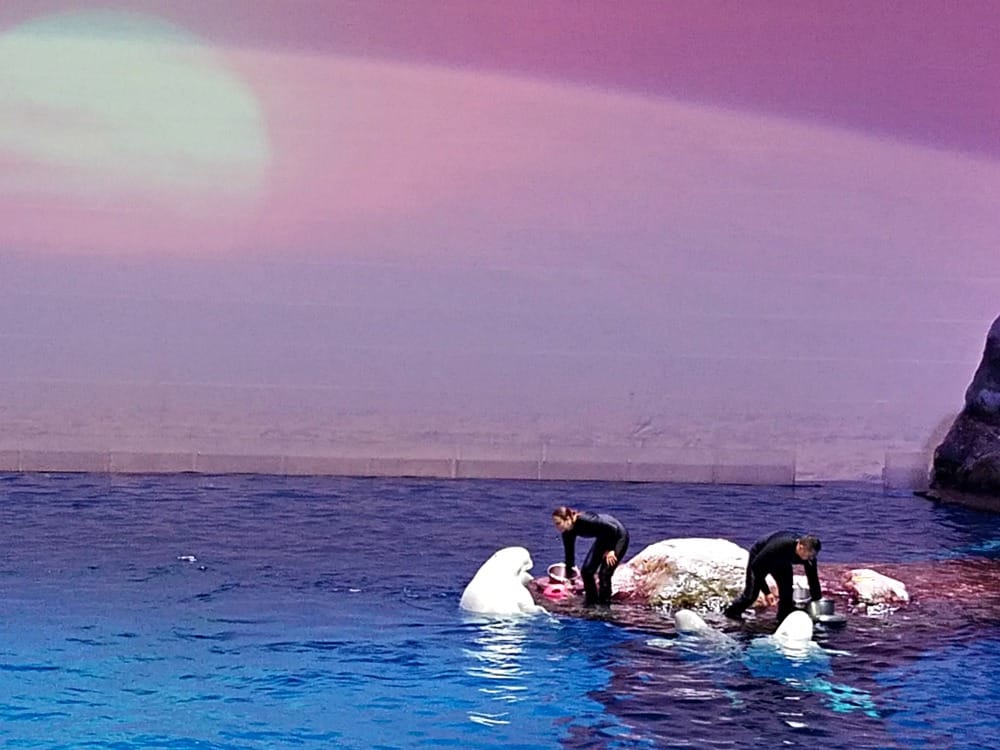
698 574
967 463
705 575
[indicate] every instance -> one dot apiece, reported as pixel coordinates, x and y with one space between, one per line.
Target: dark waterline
323 612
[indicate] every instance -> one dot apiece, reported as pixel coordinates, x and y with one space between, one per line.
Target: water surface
274 612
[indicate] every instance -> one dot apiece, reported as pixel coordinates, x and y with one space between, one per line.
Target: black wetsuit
608 534
775 555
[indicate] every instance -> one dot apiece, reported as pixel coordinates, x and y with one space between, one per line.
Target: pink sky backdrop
713 224
924 70
383 107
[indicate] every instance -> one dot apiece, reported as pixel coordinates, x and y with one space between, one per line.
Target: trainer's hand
611 558
771 600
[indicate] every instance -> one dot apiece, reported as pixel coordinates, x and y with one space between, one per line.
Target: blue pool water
266 612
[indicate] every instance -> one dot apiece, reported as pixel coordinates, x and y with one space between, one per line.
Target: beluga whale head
697 635
794 634
500 585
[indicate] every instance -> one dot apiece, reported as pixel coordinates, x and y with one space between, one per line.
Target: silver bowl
821 611
557 572
800 595
820 608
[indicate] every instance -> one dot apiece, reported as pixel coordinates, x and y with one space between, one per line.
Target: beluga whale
499 587
794 636
789 656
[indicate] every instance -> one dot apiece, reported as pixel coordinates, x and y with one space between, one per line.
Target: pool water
271 612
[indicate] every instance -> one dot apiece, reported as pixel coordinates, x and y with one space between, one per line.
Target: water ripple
326 615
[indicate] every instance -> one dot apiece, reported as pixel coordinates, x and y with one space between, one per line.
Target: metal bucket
820 608
801 595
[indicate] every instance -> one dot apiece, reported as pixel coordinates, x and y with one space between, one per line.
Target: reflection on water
805 668
497 661
801 666
954 676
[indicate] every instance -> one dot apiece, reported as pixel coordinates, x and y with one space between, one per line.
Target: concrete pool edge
900 471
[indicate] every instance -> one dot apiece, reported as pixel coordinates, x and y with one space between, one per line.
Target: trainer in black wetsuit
775 556
609 536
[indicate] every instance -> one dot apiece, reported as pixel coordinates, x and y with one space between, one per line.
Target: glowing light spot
104 107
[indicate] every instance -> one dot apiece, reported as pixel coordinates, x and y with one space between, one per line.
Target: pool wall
903 471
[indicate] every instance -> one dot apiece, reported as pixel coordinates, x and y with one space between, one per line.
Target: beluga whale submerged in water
789 656
793 638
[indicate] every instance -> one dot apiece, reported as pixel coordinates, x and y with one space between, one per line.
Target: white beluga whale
789 656
792 657
500 585
689 622
693 631
794 635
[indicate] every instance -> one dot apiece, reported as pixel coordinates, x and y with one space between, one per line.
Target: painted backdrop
664 233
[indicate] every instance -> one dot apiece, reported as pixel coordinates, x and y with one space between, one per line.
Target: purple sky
355 106
925 69
514 206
